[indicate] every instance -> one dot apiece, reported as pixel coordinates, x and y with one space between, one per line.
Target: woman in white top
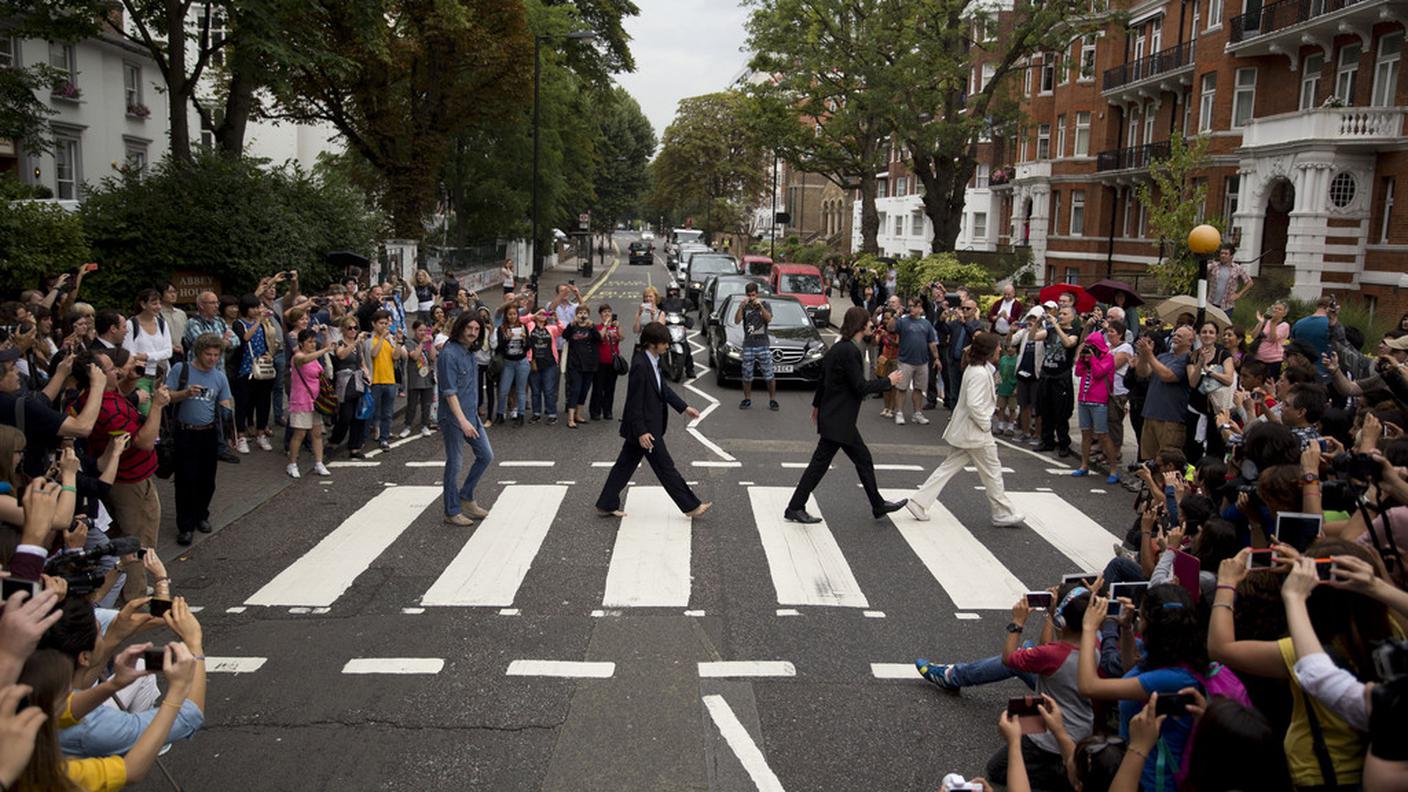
148 334
969 433
175 317
506 271
649 310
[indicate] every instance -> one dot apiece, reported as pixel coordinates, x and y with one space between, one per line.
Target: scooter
674 363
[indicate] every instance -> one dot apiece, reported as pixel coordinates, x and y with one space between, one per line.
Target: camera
84 570
1388 740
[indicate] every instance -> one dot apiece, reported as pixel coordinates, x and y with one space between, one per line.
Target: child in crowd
1005 422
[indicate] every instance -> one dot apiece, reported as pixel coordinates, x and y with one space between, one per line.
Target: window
916 222
1231 194
1156 35
900 185
1386 70
1151 112
981 175
1243 97
899 225
1209 92
66 176
1063 74
1043 142
980 225
988 71
1082 134
1128 210
1077 212
61 57
132 84
1347 72
1143 216
1048 72
1087 59
1310 79
1055 209
1139 45
217 34
1187 112
1061 135
1133 128
1027 80
1214 14
136 155
1342 189
1389 184
9 51
1073 275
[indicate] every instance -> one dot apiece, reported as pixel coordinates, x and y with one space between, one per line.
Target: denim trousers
543 383
989 670
455 442
515 375
383 406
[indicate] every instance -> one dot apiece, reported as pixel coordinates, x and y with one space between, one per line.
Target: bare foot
699 510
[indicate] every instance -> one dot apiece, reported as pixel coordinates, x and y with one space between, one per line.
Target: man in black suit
835 409
643 422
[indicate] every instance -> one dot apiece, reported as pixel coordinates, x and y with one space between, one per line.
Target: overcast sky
682 48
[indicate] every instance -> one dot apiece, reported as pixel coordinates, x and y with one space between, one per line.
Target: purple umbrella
1105 292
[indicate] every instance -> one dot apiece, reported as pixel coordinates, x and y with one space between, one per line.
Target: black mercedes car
642 253
794 343
719 288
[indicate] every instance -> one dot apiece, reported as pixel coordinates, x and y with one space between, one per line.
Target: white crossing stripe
969 573
234 665
492 564
650 562
1067 528
528 463
894 671
394 665
721 669
971 469
715 463
426 463
352 463
561 668
324 573
806 563
738 739
896 467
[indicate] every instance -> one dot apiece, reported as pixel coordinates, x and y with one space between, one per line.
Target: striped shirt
118 416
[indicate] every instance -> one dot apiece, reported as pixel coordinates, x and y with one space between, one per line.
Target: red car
804 282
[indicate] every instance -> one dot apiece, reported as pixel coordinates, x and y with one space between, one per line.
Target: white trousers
984 458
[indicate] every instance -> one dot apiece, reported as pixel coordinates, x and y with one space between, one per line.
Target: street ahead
363 644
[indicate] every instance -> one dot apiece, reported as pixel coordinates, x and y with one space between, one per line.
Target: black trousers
1055 400
196 457
660 462
348 425
821 460
604 392
953 377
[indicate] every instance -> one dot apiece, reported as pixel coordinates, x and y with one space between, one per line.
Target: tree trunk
869 217
945 180
178 95
408 198
239 103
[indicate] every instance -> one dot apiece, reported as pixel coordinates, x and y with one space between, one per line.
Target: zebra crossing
650 559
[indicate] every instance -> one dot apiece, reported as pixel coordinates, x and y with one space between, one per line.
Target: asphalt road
356 642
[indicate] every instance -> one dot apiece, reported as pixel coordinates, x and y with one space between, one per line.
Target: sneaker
1035 442
773 405
1009 521
242 446
263 442
1080 473
918 512
426 431
1113 478
321 469
887 413
519 420
552 419
936 673
745 404
384 445
458 519
474 509
899 418
292 471
1123 552
920 419
405 432
536 417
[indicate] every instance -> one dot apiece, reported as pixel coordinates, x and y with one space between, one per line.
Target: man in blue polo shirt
194 431
919 349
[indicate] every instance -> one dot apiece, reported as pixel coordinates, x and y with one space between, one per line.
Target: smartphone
1325 568
9 585
1085 578
1297 529
1027 711
1260 559
1134 591
159 607
154 658
1116 609
1173 704
1039 599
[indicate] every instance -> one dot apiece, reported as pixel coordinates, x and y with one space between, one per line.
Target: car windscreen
800 283
784 313
700 267
727 287
637 247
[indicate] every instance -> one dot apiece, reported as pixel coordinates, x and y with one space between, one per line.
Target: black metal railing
1132 157
1175 57
1281 15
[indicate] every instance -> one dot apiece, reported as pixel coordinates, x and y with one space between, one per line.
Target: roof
795 268
755 257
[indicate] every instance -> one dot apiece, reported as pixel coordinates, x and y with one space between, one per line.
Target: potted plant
138 110
67 89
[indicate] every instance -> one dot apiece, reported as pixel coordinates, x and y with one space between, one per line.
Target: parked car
804 282
683 252
647 235
679 237
757 265
720 288
642 253
794 342
700 266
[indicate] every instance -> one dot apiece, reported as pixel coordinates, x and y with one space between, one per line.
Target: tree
1173 201
823 105
945 47
24 117
36 238
625 143
710 164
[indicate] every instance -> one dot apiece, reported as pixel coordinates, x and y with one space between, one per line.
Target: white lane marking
650 561
321 611
802 466
561 668
508 611
873 614
299 610
712 446
738 739
720 669
745 483
694 613
413 611
492 564
966 616
806 564
1044 489
394 665
1060 472
352 463
603 464
894 671
393 444
710 463
971 469
235 609
565 483
234 665
324 573
897 467
1067 528
1029 452
693 427
969 573
426 463
788 612
528 463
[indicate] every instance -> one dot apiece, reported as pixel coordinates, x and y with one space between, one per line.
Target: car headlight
814 352
733 351
695 285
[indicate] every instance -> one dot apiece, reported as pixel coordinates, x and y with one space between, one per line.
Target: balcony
1162 71
1343 127
1282 27
1134 158
1039 170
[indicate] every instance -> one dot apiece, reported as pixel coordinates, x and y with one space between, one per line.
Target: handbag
365 406
619 364
262 368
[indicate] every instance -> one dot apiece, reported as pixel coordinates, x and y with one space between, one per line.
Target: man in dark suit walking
643 422
835 409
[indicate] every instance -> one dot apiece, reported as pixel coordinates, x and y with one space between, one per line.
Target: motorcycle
674 363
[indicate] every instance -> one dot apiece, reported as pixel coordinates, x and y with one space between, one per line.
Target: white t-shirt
156 345
1128 349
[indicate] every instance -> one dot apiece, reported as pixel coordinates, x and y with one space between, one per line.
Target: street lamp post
772 226
576 35
1203 241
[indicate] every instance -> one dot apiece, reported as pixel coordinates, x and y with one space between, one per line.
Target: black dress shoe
1064 451
889 506
184 538
1045 447
229 456
204 526
800 516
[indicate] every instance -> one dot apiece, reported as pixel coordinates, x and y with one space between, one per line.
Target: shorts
916 374
300 420
1026 392
1007 403
762 356
1094 418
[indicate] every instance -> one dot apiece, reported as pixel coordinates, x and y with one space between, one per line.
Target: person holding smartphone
195 431
755 317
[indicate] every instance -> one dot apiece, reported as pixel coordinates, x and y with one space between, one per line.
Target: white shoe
242 446
886 413
292 471
425 431
263 442
405 432
321 469
919 512
1009 520
899 418
920 419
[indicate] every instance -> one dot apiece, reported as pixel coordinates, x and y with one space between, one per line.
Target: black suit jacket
838 397
646 402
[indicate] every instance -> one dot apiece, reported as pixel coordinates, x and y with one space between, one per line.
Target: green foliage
625 141
710 165
792 250
37 239
24 115
913 274
226 217
1173 202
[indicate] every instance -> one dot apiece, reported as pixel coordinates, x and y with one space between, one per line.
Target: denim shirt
458 375
107 730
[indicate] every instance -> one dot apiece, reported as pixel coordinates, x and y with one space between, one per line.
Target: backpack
166 440
137 328
1220 681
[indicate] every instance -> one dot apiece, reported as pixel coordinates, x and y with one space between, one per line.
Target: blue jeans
544 385
280 377
455 441
515 374
989 670
383 405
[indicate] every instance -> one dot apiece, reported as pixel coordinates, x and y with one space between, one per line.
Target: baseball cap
1050 305
1036 312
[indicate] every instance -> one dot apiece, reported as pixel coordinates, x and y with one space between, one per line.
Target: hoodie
1095 370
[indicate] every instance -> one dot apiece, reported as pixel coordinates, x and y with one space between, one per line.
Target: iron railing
1281 15
1175 57
1134 157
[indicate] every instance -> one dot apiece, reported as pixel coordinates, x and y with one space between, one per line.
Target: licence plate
781 368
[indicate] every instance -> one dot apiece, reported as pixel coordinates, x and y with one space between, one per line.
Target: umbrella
1170 309
1084 299
1105 292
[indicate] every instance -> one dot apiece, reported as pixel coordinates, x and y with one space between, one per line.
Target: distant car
647 235
720 288
642 253
757 265
678 238
794 342
804 282
701 266
684 251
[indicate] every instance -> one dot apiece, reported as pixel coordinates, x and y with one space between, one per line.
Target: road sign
584 221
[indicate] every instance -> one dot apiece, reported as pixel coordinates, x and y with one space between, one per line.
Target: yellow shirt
103 774
1346 746
383 365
